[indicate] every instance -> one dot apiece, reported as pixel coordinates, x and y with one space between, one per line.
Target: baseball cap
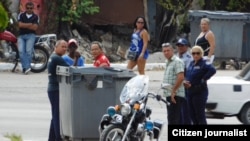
72 41
182 41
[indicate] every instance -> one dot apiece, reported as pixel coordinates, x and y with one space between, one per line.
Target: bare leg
131 64
141 62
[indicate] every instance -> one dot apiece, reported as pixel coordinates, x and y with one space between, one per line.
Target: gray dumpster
85 94
231 29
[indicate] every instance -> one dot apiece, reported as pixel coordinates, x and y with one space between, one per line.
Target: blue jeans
26 47
175 110
54 132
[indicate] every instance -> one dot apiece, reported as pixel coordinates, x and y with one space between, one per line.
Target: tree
71 11
4 19
169 20
227 5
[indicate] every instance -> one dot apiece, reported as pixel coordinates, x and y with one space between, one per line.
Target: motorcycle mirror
166 86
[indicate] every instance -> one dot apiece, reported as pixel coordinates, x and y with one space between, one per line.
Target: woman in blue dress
138 47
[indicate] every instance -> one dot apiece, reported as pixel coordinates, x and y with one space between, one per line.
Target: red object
101 60
8 36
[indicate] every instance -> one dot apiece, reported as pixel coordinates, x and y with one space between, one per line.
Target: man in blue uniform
185 55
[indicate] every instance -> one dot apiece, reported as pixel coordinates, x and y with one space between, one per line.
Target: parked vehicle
42 48
130 120
230 96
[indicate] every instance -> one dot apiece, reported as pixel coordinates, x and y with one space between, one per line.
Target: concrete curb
149 66
4 139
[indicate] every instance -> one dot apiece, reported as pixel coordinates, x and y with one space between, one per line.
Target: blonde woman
195 83
206 40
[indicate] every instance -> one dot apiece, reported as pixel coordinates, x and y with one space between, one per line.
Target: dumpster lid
219 15
113 71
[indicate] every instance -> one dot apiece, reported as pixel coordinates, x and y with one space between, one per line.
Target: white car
230 96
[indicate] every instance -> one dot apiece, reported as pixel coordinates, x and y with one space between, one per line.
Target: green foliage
74 15
240 5
227 5
4 19
201 3
14 137
166 4
180 10
178 6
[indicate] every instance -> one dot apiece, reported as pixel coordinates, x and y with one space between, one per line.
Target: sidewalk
4 139
149 66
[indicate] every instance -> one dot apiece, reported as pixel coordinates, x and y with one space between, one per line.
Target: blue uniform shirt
199 73
186 58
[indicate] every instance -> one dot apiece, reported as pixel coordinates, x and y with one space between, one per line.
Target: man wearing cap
73 58
184 54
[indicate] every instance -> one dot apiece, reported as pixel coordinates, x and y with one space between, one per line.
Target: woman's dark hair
144 25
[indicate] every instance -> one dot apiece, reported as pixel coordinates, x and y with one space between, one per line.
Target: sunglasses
140 22
196 53
165 44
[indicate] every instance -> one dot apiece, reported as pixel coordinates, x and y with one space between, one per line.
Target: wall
116 12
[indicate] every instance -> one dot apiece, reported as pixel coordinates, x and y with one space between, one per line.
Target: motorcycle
130 120
43 47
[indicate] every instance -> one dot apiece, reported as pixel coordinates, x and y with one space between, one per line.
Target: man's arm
76 57
178 83
28 25
34 27
24 25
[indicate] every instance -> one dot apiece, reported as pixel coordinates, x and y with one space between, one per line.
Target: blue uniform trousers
197 104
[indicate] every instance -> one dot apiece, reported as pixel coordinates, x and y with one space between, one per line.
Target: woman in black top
206 40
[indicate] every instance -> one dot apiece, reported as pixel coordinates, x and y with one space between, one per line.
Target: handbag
131 55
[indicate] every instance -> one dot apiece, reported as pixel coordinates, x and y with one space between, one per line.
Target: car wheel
245 114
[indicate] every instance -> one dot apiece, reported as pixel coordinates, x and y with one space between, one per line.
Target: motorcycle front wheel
112 133
39 59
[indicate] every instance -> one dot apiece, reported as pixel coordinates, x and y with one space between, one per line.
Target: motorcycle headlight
125 109
149 125
111 111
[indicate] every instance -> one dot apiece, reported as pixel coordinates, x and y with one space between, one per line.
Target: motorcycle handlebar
158 97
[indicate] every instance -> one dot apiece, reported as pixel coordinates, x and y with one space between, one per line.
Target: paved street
25 108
